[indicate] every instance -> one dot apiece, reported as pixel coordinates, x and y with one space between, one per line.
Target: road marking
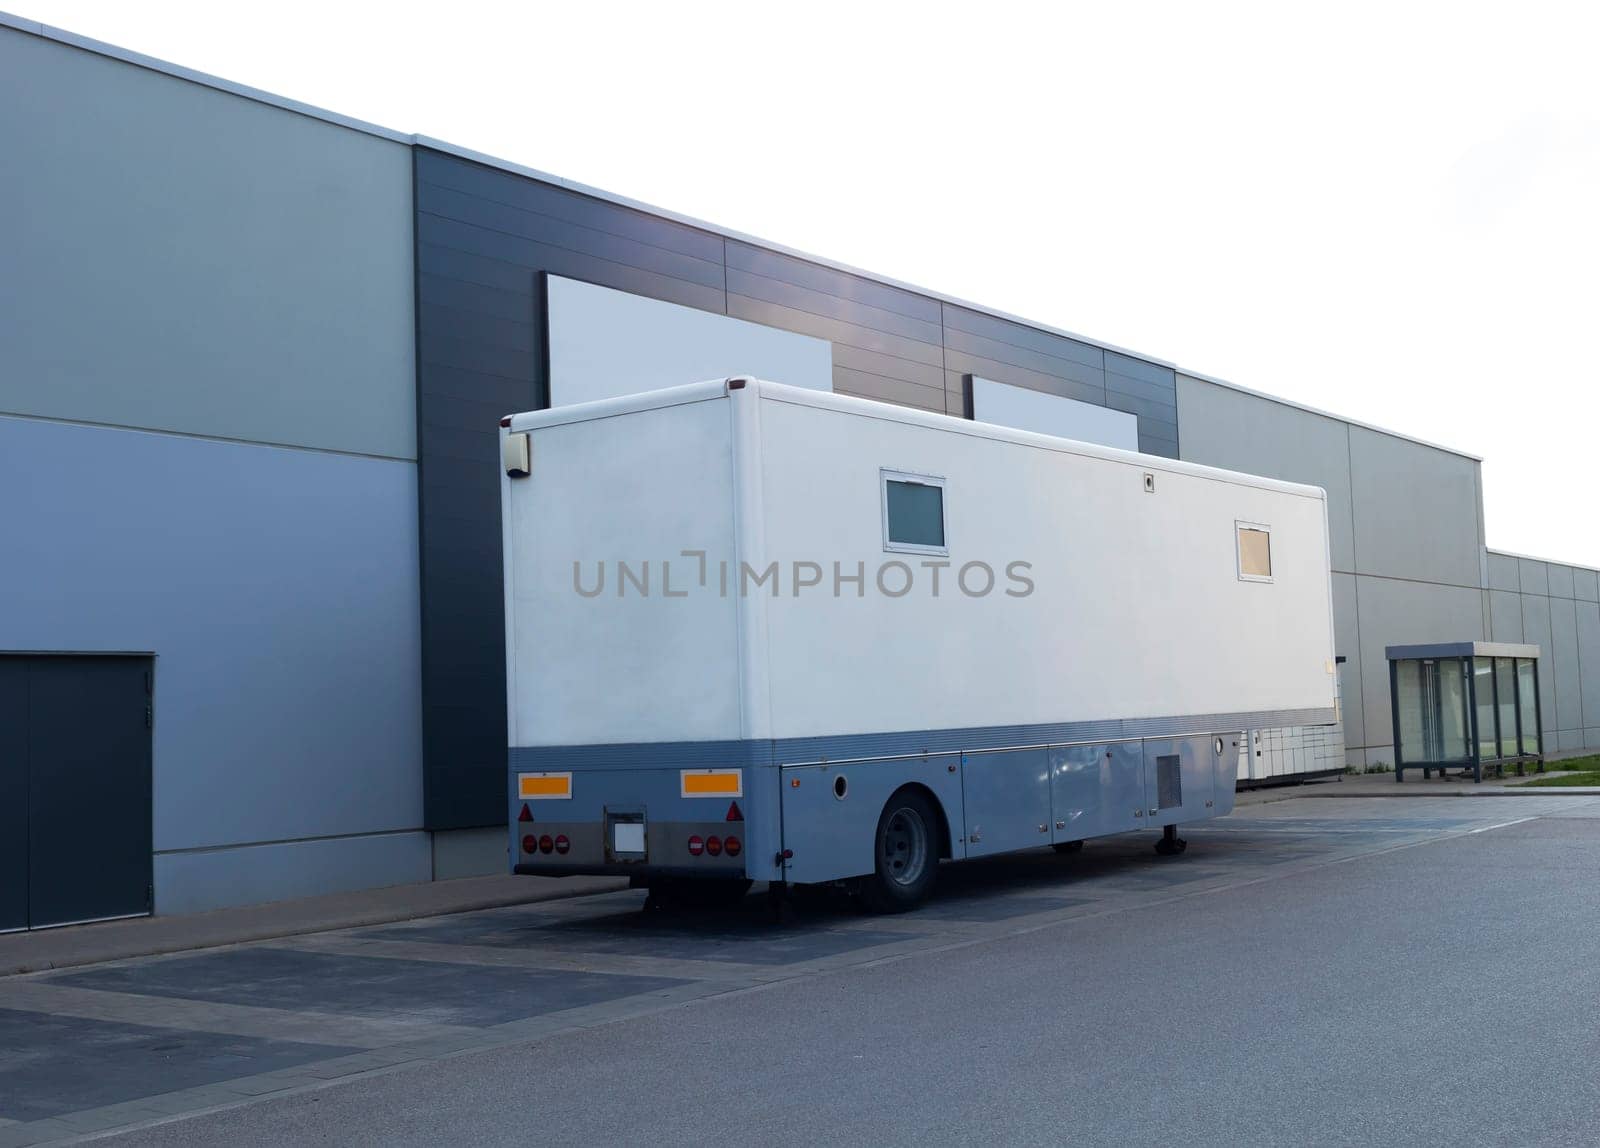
1501 825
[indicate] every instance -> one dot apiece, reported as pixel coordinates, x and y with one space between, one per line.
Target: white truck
756 632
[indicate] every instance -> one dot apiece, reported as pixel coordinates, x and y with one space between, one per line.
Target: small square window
913 513
1255 551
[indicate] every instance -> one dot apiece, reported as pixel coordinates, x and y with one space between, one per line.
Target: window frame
885 477
1239 526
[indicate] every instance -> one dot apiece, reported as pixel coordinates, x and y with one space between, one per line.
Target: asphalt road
1438 989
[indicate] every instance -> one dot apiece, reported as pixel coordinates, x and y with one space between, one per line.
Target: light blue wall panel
181 258
1505 616
1534 575
1415 510
214 879
278 591
1589 656
1586 585
1503 573
1560 581
1561 664
1536 632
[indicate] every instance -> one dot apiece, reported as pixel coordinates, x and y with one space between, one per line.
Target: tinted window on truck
913 514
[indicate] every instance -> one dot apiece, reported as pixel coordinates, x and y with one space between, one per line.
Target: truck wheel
905 849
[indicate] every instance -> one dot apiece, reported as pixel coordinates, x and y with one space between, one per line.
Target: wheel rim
905 847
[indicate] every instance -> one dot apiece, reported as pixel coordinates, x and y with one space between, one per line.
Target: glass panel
1255 553
1453 724
1408 688
1528 703
1483 686
916 513
1503 671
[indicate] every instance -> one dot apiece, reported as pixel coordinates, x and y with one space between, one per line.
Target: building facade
252 358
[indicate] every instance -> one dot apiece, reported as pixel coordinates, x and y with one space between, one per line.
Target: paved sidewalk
145 936
1384 785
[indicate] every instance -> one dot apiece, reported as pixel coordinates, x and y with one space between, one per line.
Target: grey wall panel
1536 631
1238 431
1505 616
1431 533
1586 585
1347 643
1534 576
199 262
1503 573
1561 581
1395 612
278 590
1562 664
1588 629
885 389
826 281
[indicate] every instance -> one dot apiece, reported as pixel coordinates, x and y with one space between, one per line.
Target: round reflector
530 844
714 846
731 844
562 844
546 843
696 846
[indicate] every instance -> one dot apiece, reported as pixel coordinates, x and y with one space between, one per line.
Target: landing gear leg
1170 844
778 901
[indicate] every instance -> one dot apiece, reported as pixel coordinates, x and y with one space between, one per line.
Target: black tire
1068 846
905 849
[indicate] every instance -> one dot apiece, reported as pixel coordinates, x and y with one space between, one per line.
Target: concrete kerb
75 945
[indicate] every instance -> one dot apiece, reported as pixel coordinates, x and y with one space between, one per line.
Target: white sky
1390 211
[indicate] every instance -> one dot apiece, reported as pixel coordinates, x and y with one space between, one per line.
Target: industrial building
252 359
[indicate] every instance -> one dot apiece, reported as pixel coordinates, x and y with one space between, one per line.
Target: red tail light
546 843
530 844
731 844
696 846
714 846
562 844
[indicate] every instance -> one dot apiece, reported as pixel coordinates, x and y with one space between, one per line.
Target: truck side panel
832 836
1134 604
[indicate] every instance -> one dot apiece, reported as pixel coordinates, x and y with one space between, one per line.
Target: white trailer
756 632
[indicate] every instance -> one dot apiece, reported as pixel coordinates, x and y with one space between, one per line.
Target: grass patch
1588 772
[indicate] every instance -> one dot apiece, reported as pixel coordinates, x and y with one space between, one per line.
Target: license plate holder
627 836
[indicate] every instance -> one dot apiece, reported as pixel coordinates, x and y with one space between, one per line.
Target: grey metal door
1096 789
86 733
13 794
1006 800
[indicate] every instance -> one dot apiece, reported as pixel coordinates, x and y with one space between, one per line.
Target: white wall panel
1024 409
605 343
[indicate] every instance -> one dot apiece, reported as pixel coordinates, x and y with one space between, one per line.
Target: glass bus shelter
1465 705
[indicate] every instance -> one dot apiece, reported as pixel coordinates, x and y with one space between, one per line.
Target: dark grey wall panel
484 240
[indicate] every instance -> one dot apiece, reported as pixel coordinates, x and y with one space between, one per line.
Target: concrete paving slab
376 987
56 1066
145 936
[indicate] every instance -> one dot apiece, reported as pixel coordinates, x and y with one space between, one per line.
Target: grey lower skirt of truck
841 747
